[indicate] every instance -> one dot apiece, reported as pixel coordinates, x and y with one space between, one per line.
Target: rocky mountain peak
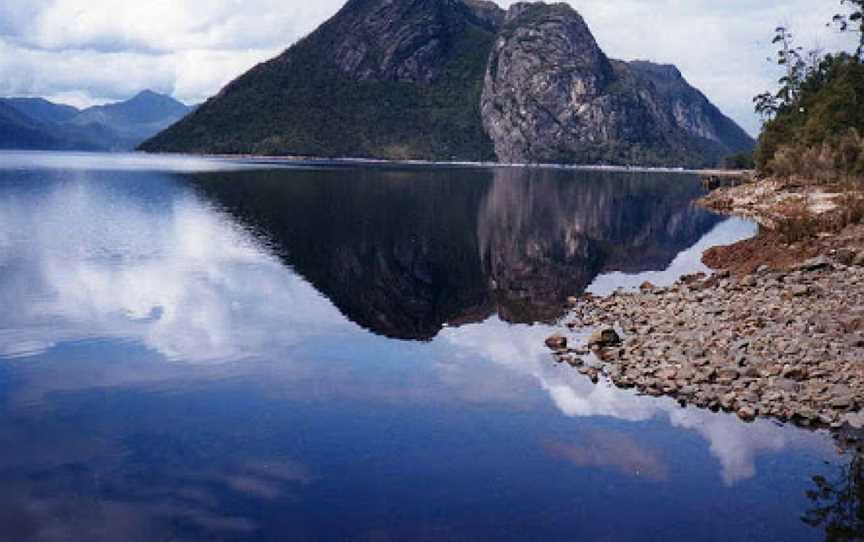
459 80
546 90
404 40
551 29
489 13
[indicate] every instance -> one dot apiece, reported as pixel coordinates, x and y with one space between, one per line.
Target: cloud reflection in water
173 275
735 444
84 259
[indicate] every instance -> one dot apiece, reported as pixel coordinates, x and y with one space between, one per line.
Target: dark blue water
209 350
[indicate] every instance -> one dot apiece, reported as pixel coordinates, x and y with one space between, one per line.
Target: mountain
552 95
114 127
18 131
395 80
692 110
458 80
42 110
135 120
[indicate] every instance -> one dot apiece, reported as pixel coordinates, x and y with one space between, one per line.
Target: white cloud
96 51
99 50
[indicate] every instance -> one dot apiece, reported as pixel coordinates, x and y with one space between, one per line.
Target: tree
839 504
853 22
789 57
766 105
817 109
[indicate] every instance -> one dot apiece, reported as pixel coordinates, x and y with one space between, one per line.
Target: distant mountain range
459 80
38 124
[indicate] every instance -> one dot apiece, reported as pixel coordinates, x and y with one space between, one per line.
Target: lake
201 349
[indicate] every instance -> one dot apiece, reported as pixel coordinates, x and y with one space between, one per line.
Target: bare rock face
546 76
458 80
552 95
691 109
405 41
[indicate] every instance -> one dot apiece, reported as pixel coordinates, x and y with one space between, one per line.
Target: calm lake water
214 350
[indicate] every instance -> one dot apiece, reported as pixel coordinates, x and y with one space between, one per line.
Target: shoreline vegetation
777 331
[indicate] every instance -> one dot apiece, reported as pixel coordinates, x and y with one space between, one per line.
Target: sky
86 52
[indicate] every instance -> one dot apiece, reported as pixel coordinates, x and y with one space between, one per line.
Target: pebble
783 344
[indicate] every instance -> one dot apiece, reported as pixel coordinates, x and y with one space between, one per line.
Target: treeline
814 123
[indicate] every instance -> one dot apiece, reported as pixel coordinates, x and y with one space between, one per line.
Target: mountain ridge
39 124
458 80
337 92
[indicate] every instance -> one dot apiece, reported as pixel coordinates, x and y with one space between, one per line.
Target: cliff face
692 110
551 95
458 80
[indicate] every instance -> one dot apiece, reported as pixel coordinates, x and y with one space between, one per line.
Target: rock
752 372
813 264
551 95
854 420
692 279
604 337
767 350
557 342
746 413
574 362
794 373
859 259
728 373
749 281
842 403
713 310
800 290
846 256
787 385
740 345
666 374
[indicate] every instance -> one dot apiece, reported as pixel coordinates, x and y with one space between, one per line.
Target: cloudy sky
94 51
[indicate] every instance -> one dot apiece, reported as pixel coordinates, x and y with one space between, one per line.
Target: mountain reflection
105 276
402 252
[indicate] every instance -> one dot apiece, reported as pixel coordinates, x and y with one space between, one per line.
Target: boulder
794 373
746 413
557 342
604 337
813 264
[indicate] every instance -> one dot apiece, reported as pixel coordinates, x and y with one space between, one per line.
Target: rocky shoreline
780 338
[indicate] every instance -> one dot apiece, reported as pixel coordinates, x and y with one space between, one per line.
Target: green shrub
741 160
819 135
